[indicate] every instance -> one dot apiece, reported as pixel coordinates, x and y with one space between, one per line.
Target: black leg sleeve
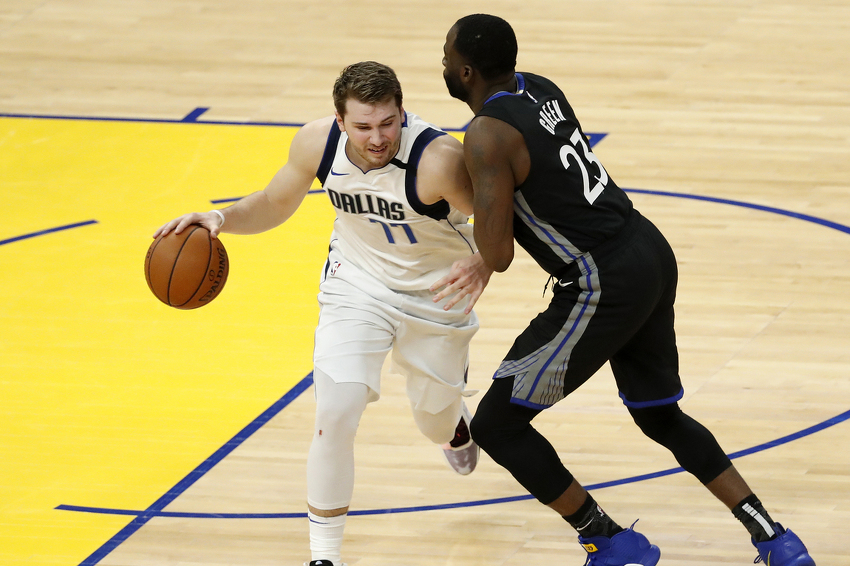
693 445
503 430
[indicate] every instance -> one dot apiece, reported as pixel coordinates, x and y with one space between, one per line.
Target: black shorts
614 304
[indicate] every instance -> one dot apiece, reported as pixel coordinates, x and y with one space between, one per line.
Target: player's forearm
496 249
253 214
493 227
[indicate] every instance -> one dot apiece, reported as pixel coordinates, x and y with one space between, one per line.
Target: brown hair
367 82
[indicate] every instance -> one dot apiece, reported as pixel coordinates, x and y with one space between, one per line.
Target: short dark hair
488 44
367 82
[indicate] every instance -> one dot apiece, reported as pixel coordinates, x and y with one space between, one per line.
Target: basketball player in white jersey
402 197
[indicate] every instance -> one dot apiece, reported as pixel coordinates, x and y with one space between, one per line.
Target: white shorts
361 320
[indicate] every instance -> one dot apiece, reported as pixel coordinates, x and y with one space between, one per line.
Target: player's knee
439 428
693 445
481 430
339 407
497 421
337 420
657 422
491 429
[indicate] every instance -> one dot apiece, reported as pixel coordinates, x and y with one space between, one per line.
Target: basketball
186 270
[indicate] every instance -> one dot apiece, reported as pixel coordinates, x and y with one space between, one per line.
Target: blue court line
593 139
48 231
192 118
141 518
633 479
797 215
194 115
155 510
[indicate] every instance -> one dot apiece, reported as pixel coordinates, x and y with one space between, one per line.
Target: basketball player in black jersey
535 180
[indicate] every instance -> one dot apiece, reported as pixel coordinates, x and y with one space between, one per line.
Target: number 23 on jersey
582 161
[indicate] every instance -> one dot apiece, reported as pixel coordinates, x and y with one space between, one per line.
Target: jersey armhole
438 210
329 154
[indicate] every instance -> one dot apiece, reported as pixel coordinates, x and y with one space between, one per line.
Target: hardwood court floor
133 434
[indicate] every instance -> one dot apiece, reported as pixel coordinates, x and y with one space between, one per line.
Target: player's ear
339 122
466 73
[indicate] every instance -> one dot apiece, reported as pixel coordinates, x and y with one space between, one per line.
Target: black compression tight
503 430
693 445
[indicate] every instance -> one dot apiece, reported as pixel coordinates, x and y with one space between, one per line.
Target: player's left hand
467 278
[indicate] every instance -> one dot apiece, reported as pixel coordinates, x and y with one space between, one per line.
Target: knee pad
339 406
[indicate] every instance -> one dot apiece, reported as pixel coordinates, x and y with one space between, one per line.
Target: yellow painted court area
110 398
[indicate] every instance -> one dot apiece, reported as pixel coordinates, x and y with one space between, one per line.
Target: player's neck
507 85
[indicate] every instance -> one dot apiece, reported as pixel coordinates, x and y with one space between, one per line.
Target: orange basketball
186 270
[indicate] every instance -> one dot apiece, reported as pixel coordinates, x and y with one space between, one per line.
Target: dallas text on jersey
373 205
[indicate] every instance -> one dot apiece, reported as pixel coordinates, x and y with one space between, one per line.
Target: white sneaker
462 452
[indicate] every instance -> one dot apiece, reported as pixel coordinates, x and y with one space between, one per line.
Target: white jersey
381 225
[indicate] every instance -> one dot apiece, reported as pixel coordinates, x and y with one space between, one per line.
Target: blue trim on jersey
327 266
645 404
462 237
438 210
585 304
589 289
520 89
533 220
329 154
525 402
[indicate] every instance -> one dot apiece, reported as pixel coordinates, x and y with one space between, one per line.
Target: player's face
453 67
374 132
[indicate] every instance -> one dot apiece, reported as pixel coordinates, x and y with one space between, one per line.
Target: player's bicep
442 174
489 166
292 182
488 159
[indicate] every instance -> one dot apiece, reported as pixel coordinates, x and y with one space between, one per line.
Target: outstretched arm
271 207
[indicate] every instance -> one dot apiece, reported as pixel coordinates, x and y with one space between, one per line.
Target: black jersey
568 205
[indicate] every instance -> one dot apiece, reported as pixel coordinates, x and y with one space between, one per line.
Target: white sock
326 537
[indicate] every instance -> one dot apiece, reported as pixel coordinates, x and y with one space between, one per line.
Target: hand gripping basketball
186 270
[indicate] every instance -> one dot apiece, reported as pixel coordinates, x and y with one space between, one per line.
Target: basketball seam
174 267
209 258
148 264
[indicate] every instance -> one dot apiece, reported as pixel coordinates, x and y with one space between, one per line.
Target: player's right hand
209 220
467 278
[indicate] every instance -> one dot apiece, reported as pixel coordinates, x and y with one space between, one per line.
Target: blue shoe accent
626 548
785 550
